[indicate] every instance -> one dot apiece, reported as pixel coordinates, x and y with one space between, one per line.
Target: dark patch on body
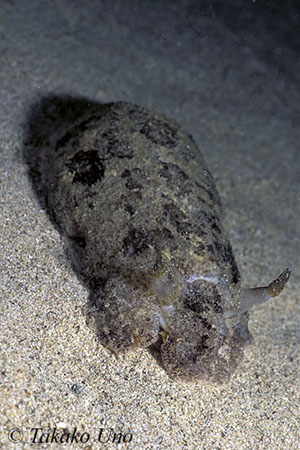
179 220
91 205
87 167
199 300
175 177
199 249
171 171
207 217
109 146
173 213
125 201
202 346
138 240
160 133
211 192
131 184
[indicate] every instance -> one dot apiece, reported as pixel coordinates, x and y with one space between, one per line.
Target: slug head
198 342
202 320
205 326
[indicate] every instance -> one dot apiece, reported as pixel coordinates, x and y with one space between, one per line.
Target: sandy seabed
230 75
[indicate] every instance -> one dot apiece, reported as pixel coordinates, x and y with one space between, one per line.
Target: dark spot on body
216 228
135 116
131 184
86 167
203 343
184 228
217 300
125 173
173 213
206 324
217 307
127 205
109 146
161 238
201 298
177 218
211 221
212 253
204 217
175 176
195 303
211 191
171 170
160 133
136 170
136 241
129 209
199 249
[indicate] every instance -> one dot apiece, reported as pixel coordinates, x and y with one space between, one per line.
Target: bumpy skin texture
130 191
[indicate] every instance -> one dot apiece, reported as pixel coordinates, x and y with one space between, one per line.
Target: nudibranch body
133 197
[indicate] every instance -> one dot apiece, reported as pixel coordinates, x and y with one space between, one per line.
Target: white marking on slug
224 350
164 312
193 278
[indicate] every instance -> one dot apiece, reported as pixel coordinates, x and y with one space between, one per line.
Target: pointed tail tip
276 286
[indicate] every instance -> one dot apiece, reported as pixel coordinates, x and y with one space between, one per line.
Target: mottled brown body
131 192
